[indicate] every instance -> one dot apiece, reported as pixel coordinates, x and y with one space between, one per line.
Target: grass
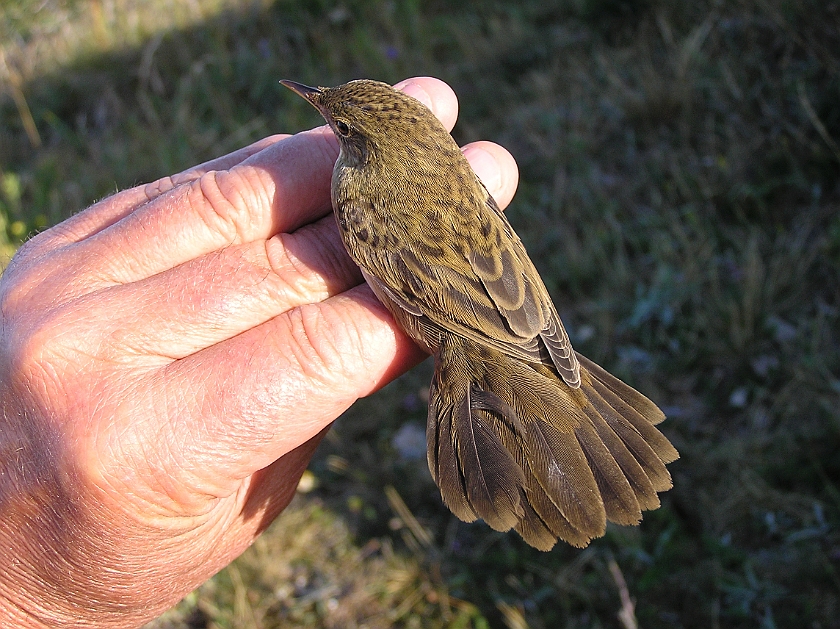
680 195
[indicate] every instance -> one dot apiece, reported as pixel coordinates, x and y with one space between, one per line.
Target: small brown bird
522 431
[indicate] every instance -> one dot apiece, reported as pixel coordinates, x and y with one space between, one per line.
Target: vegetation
680 194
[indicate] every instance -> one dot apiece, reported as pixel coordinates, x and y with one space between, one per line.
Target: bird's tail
512 444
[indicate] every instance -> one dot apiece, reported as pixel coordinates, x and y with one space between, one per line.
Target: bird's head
369 118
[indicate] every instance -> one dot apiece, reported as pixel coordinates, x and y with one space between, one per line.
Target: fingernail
415 90
486 167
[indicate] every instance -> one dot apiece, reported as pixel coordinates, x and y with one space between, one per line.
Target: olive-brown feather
522 431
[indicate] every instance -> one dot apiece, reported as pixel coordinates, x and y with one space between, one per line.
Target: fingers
217 296
434 94
250 202
271 489
496 168
115 207
277 189
281 384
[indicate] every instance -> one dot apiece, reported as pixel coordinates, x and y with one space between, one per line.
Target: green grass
679 193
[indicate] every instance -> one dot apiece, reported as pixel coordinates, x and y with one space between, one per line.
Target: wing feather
486 289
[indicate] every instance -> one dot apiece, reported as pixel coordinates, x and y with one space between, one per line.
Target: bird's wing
515 263
495 296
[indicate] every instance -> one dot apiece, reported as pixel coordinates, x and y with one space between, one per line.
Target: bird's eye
342 127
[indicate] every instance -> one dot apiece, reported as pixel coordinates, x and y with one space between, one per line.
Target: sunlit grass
309 571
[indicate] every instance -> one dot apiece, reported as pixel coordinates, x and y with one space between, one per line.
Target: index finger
278 189
113 208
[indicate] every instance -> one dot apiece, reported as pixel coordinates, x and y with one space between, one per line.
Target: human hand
171 358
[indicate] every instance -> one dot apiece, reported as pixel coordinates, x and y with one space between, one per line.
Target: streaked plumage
523 432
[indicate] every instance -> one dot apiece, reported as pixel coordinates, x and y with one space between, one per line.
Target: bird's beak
312 94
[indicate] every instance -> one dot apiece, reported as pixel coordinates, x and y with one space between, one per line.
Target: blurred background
679 193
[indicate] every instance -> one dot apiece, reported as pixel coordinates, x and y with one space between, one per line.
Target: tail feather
607 400
541 514
443 459
550 452
491 475
543 521
476 472
635 441
535 531
638 480
511 443
620 502
632 398
559 465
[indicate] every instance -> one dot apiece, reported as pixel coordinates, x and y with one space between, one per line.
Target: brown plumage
523 432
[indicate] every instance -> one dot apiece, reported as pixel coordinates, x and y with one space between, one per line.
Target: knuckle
29 351
43 344
157 188
322 349
311 263
294 280
18 284
225 202
290 277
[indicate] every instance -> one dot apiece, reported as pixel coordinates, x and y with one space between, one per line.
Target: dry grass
308 571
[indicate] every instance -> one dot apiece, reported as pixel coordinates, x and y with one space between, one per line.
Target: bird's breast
436 216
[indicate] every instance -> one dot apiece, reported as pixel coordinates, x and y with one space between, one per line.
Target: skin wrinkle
356 345
53 491
14 293
98 272
305 283
97 344
237 403
197 300
200 300
293 196
115 254
162 185
124 339
104 461
168 199
332 349
155 453
308 284
133 241
325 260
248 273
34 373
306 383
201 478
213 207
313 356
213 403
27 280
243 188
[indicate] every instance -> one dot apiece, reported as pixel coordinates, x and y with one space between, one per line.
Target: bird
522 431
